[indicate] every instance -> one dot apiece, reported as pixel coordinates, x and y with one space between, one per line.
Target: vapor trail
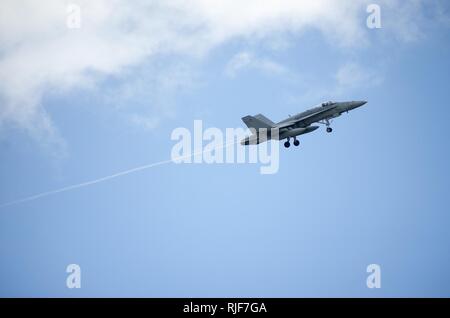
106 178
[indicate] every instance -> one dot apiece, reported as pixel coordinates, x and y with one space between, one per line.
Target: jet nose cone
360 103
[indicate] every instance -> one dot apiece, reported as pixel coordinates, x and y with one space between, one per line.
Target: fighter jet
299 124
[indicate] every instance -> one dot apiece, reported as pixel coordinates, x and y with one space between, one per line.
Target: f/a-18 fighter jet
299 124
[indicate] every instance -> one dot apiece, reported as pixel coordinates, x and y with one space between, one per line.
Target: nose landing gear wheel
296 143
287 144
329 129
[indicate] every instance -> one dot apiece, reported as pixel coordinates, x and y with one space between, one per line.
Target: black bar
227 306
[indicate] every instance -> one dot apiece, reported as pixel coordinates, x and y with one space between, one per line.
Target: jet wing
287 124
305 121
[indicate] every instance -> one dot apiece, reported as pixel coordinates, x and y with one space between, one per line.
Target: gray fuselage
298 124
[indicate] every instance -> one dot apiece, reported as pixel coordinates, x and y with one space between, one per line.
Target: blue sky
77 105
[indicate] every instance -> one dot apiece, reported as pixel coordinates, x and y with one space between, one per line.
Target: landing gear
326 122
287 144
329 129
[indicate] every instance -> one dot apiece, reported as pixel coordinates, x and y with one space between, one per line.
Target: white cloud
353 75
144 122
349 78
150 93
40 55
248 60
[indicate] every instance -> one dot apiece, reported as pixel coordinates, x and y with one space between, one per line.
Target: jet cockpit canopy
329 103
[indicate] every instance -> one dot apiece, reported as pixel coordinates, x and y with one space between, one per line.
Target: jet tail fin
265 120
258 121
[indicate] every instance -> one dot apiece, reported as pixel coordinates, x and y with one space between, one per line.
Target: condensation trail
106 178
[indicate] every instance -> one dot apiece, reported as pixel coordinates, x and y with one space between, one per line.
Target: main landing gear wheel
329 129
287 144
296 143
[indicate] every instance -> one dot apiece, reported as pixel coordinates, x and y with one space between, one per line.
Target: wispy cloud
352 75
39 55
246 60
346 78
149 94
